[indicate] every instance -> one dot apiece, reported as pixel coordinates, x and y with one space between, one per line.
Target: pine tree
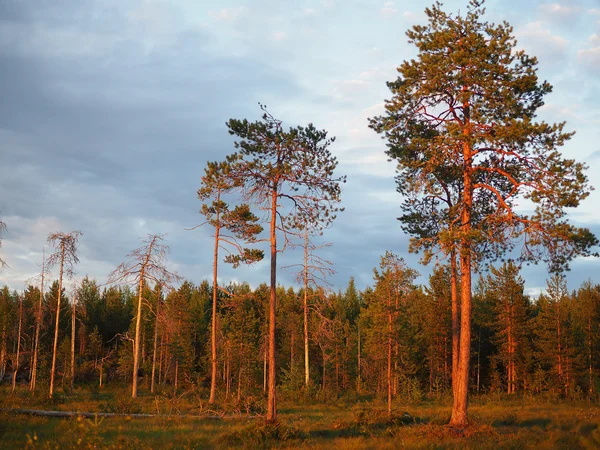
464 110
231 226
277 167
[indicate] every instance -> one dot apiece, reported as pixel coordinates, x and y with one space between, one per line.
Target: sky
111 109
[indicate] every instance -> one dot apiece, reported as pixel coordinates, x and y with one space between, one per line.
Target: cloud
590 58
388 9
561 14
279 35
230 15
539 41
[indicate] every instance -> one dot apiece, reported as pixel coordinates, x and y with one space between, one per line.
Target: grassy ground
496 423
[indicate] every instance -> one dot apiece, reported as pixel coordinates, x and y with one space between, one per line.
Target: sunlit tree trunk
38 325
213 334
54 348
155 346
455 317
16 369
271 399
73 341
305 305
459 408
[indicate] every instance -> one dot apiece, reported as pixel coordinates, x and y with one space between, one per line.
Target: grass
508 423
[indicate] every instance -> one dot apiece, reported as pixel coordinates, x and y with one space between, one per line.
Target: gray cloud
110 111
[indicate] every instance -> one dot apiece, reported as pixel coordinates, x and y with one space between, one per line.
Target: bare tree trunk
14 382
136 346
271 398
155 346
306 356
38 325
213 333
60 280
73 342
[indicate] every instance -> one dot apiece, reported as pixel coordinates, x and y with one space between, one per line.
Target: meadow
186 421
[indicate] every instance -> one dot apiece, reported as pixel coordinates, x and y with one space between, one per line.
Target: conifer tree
290 176
510 305
231 226
465 109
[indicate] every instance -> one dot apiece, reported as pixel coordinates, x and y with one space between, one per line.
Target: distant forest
543 347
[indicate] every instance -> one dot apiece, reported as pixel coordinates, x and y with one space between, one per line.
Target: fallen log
91 415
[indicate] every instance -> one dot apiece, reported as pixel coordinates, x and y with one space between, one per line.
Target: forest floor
497 422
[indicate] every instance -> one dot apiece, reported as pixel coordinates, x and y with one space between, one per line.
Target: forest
547 347
483 190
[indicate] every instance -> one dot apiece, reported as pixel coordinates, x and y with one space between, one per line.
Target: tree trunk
213 329
306 355
60 280
271 399
136 346
154 350
459 416
73 342
265 355
14 382
38 325
455 317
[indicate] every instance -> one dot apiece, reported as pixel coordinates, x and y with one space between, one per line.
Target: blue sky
111 109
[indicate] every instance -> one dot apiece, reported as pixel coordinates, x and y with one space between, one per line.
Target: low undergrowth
510 423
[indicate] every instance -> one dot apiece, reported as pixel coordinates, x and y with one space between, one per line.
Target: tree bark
60 280
271 395
73 342
213 332
459 416
136 345
455 317
306 356
38 326
14 382
155 346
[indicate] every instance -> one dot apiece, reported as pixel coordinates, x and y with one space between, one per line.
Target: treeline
391 340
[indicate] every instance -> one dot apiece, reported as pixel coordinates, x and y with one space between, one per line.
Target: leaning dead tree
313 273
145 266
65 255
38 321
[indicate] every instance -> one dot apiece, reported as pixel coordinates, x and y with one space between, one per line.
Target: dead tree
65 254
146 265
